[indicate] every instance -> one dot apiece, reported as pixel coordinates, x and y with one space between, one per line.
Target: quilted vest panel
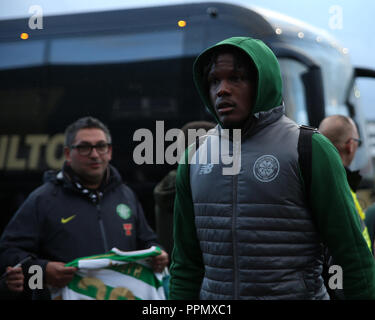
257 237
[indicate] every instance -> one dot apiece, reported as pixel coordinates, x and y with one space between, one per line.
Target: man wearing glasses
83 210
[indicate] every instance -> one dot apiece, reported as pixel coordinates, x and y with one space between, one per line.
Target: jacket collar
258 121
354 178
68 179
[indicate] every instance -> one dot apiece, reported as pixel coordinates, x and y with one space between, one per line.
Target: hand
160 262
14 279
57 275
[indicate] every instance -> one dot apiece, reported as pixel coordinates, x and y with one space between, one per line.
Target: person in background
165 190
85 209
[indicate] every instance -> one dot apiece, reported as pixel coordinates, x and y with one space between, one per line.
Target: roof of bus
267 23
115 19
292 27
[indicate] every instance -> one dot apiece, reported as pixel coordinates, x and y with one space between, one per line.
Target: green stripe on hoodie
337 221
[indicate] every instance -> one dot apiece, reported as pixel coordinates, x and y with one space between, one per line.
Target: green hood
269 91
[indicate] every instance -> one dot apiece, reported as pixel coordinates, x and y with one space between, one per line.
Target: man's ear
67 154
349 147
352 146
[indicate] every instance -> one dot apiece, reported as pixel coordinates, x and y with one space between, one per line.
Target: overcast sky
354 31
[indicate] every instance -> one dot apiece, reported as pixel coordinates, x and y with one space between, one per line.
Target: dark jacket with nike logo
62 221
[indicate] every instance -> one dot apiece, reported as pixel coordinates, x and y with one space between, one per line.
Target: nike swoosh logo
67 219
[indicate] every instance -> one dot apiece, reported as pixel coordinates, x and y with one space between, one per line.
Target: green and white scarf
116 275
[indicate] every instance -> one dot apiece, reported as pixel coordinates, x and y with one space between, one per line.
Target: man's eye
101 146
235 78
83 147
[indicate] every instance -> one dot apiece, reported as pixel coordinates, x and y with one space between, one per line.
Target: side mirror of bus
364 73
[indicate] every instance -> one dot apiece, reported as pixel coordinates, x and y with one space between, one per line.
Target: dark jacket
164 194
62 221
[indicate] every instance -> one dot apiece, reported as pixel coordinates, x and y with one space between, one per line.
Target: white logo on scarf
266 168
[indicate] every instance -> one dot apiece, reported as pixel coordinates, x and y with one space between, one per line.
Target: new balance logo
206 168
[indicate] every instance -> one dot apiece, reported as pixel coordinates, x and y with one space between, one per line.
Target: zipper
102 230
234 239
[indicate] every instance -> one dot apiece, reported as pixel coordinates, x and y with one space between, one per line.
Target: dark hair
84 123
241 59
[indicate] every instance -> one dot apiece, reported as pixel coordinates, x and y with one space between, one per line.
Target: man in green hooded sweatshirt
251 234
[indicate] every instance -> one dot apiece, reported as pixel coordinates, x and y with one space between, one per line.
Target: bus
133 67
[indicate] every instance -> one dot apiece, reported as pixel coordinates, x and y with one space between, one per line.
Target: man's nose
94 153
223 88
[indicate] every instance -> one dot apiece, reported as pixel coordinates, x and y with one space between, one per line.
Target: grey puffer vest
257 237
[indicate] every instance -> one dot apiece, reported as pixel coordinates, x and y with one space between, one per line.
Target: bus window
337 75
362 156
365 87
293 90
336 70
12 54
117 48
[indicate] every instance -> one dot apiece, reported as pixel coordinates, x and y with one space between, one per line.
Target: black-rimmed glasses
86 149
359 141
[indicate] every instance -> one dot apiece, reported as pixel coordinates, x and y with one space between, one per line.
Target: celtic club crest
266 168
